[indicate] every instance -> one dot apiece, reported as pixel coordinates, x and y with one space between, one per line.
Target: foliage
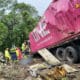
19 22
3 33
6 6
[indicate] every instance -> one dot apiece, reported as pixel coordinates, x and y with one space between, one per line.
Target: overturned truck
59 30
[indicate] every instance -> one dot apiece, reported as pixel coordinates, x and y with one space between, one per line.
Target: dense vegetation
16 21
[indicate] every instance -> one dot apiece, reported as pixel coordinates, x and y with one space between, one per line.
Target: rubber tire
58 52
73 51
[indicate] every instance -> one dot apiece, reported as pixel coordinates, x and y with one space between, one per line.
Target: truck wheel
71 54
60 53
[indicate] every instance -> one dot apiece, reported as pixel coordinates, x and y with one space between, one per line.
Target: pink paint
60 20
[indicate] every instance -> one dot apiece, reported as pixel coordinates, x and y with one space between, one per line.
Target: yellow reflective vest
17 53
7 54
24 47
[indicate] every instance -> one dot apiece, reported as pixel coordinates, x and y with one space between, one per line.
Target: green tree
29 17
22 7
6 6
20 22
3 33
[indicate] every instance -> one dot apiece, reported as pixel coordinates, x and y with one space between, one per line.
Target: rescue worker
25 49
24 46
7 55
18 54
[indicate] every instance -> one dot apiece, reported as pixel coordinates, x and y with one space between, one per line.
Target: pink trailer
58 29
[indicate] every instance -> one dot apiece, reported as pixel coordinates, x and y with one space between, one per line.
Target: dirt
16 71
13 72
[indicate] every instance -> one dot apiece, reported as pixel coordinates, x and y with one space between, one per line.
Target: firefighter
7 55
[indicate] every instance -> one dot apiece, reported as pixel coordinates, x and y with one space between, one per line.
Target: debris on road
69 69
35 71
38 69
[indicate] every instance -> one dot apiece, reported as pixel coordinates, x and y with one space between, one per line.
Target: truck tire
71 54
60 53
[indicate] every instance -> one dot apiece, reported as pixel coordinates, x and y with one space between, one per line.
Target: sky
40 5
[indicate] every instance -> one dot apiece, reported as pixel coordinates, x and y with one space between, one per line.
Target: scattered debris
69 69
34 69
37 69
